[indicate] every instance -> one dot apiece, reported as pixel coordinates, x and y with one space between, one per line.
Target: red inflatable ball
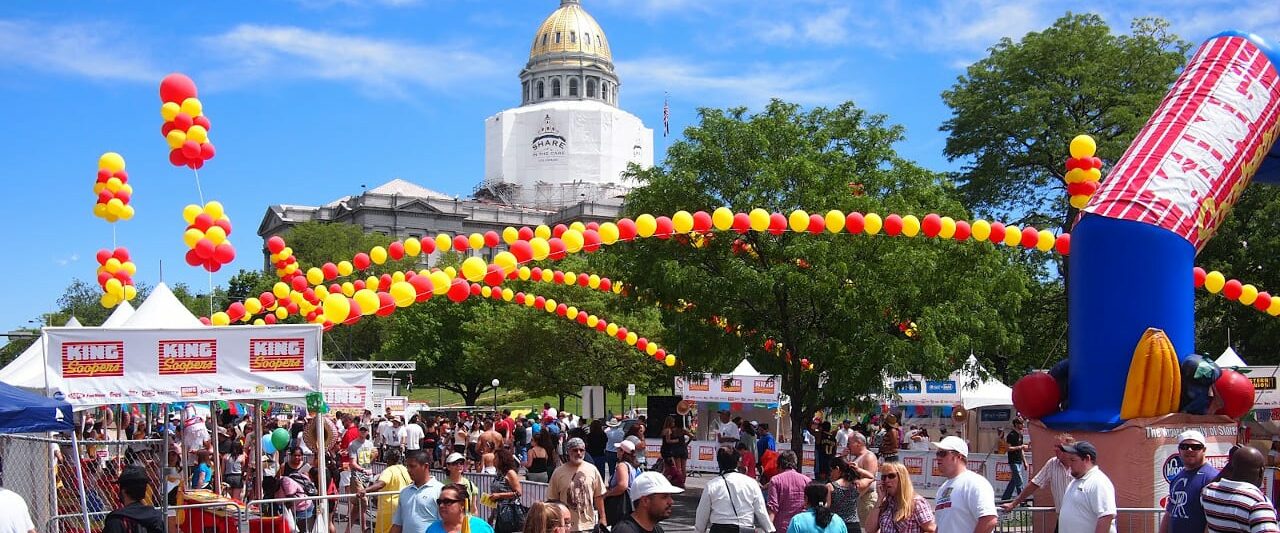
177 87
1036 395
1236 393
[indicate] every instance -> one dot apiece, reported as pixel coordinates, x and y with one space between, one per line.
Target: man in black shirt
133 516
651 494
1017 464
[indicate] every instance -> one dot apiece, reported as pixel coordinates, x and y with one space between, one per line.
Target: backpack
308 487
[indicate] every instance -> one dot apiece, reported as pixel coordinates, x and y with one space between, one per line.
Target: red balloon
298 283
225 224
354 314
1030 236
203 121
428 245
270 318
1063 244
204 249
195 164
176 158
626 229
997 232
817 224
182 121
475 289
522 250
122 175
1232 289
275 244
329 270
539 302
491 239
854 222
1263 302
104 277
590 240
1036 395
892 225
602 325
584 280
931 224
605 284
557 249
741 222
461 243
963 231
212 266
207 151
535 273
105 196
422 284
103 255
361 261
310 295
660 354
559 230
524 233
642 343
166 128
1095 162
1236 393
493 277
665 228
458 290
191 150
122 195
358 284
235 311
396 250
1197 277
177 87
701 221
269 299
562 309
777 223
205 320
621 334
225 253
386 304
557 277
384 282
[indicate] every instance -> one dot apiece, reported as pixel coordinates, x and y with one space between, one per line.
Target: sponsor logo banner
92 359
179 357
276 355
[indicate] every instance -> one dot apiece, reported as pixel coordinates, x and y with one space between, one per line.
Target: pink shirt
786 497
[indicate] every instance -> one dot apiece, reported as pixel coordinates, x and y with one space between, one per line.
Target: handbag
739 528
619 507
510 516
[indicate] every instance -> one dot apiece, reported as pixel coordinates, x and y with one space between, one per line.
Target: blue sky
310 99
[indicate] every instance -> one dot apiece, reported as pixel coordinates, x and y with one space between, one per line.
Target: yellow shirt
395 477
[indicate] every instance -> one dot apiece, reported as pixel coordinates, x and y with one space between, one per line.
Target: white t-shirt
392 437
729 430
16 518
962 500
385 429
842 440
411 435
1086 500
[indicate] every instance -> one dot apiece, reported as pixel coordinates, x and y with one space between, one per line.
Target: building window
544 38
524 87
591 88
573 36
586 38
604 90
573 86
557 37
555 87
542 93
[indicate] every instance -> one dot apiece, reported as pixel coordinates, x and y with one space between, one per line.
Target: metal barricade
1045 520
220 517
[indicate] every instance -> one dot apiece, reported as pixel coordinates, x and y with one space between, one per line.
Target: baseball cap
1191 434
1082 447
574 444
648 483
626 446
953 443
454 457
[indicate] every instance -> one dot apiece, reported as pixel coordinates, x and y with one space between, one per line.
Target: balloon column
113 189
115 276
208 229
186 128
1084 171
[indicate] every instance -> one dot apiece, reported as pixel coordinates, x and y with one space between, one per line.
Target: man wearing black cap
1089 503
133 516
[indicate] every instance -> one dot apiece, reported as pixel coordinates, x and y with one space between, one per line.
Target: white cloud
96 51
381 67
67 260
752 85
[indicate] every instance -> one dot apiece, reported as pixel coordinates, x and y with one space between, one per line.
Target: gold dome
570 30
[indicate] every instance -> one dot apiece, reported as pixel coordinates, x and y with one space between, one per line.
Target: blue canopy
23 412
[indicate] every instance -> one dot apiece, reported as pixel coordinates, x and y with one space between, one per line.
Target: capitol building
560 156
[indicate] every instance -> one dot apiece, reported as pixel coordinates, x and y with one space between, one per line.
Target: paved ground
686 506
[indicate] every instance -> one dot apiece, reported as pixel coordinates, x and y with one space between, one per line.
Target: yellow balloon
258 321
573 240
126 212
367 300
799 221
1046 240
570 278
632 337
571 312
1083 146
131 292
473 268
112 265
722 218
252 305
608 233
126 188
1214 281
651 349
1075 175
980 230
113 184
412 247
578 226
1012 236
175 139
216 235
282 313
646 225
910 226
593 281
403 293
1248 294
540 248
682 221
345 268
524 273
397 276
835 221
443 242
1092 174
439 283
372 283
486 292
98 188
948 228
549 306
1274 310
108 301
1079 201
220 319
378 254
100 210
192 106
348 289
170 110
114 206
476 241
670 360
510 235
592 320
197 133
507 261
508 295
214 209
452 272
548 275
542 231
315 276
111 161
611 329
759 219
871 223
280 290
114 288
336 308
191 237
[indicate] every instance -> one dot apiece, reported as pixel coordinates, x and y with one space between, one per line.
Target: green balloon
280 438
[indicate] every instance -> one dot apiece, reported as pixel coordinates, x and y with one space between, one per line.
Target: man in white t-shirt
966 502
411 436
727 432
1055 474
16 517
382 431
1089 503
842 438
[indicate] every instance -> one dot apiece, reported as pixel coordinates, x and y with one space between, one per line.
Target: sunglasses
942 453
1190 446
888 477
446 501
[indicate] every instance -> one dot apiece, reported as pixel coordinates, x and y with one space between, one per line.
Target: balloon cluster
115 276
1247 294
777 348
113 189
282 258
186 128
1083 171
208 229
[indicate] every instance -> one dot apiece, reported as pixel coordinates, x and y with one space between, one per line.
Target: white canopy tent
28 370
1230 359
965 387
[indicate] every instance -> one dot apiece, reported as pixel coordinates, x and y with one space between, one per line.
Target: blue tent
23 412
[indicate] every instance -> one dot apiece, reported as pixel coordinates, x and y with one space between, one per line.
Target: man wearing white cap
651 495
966 502
1183 512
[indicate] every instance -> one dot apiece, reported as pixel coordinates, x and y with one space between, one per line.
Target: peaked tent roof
162 310
745 369
119 316
27 371
24 412
1230 359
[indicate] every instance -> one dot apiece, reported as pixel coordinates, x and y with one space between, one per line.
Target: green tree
834 300
434 335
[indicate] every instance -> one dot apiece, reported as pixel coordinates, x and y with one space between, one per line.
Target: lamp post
495 384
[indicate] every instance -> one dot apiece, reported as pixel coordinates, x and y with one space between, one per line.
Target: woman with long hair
233 462
817 517
617 499
596 440
455 513
901 509
541 460
843 491
545 518
506 493
674 445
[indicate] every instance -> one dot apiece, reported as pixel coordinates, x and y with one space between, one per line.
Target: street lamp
495 384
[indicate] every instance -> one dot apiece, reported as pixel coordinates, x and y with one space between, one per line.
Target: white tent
162 310
1230 359
28 370
963 387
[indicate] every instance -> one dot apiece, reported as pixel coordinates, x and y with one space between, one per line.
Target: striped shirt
1231 505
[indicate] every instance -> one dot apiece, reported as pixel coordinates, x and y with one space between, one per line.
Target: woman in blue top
455 513
203 472
817 518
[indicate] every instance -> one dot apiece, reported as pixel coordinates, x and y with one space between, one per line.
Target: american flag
666 115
